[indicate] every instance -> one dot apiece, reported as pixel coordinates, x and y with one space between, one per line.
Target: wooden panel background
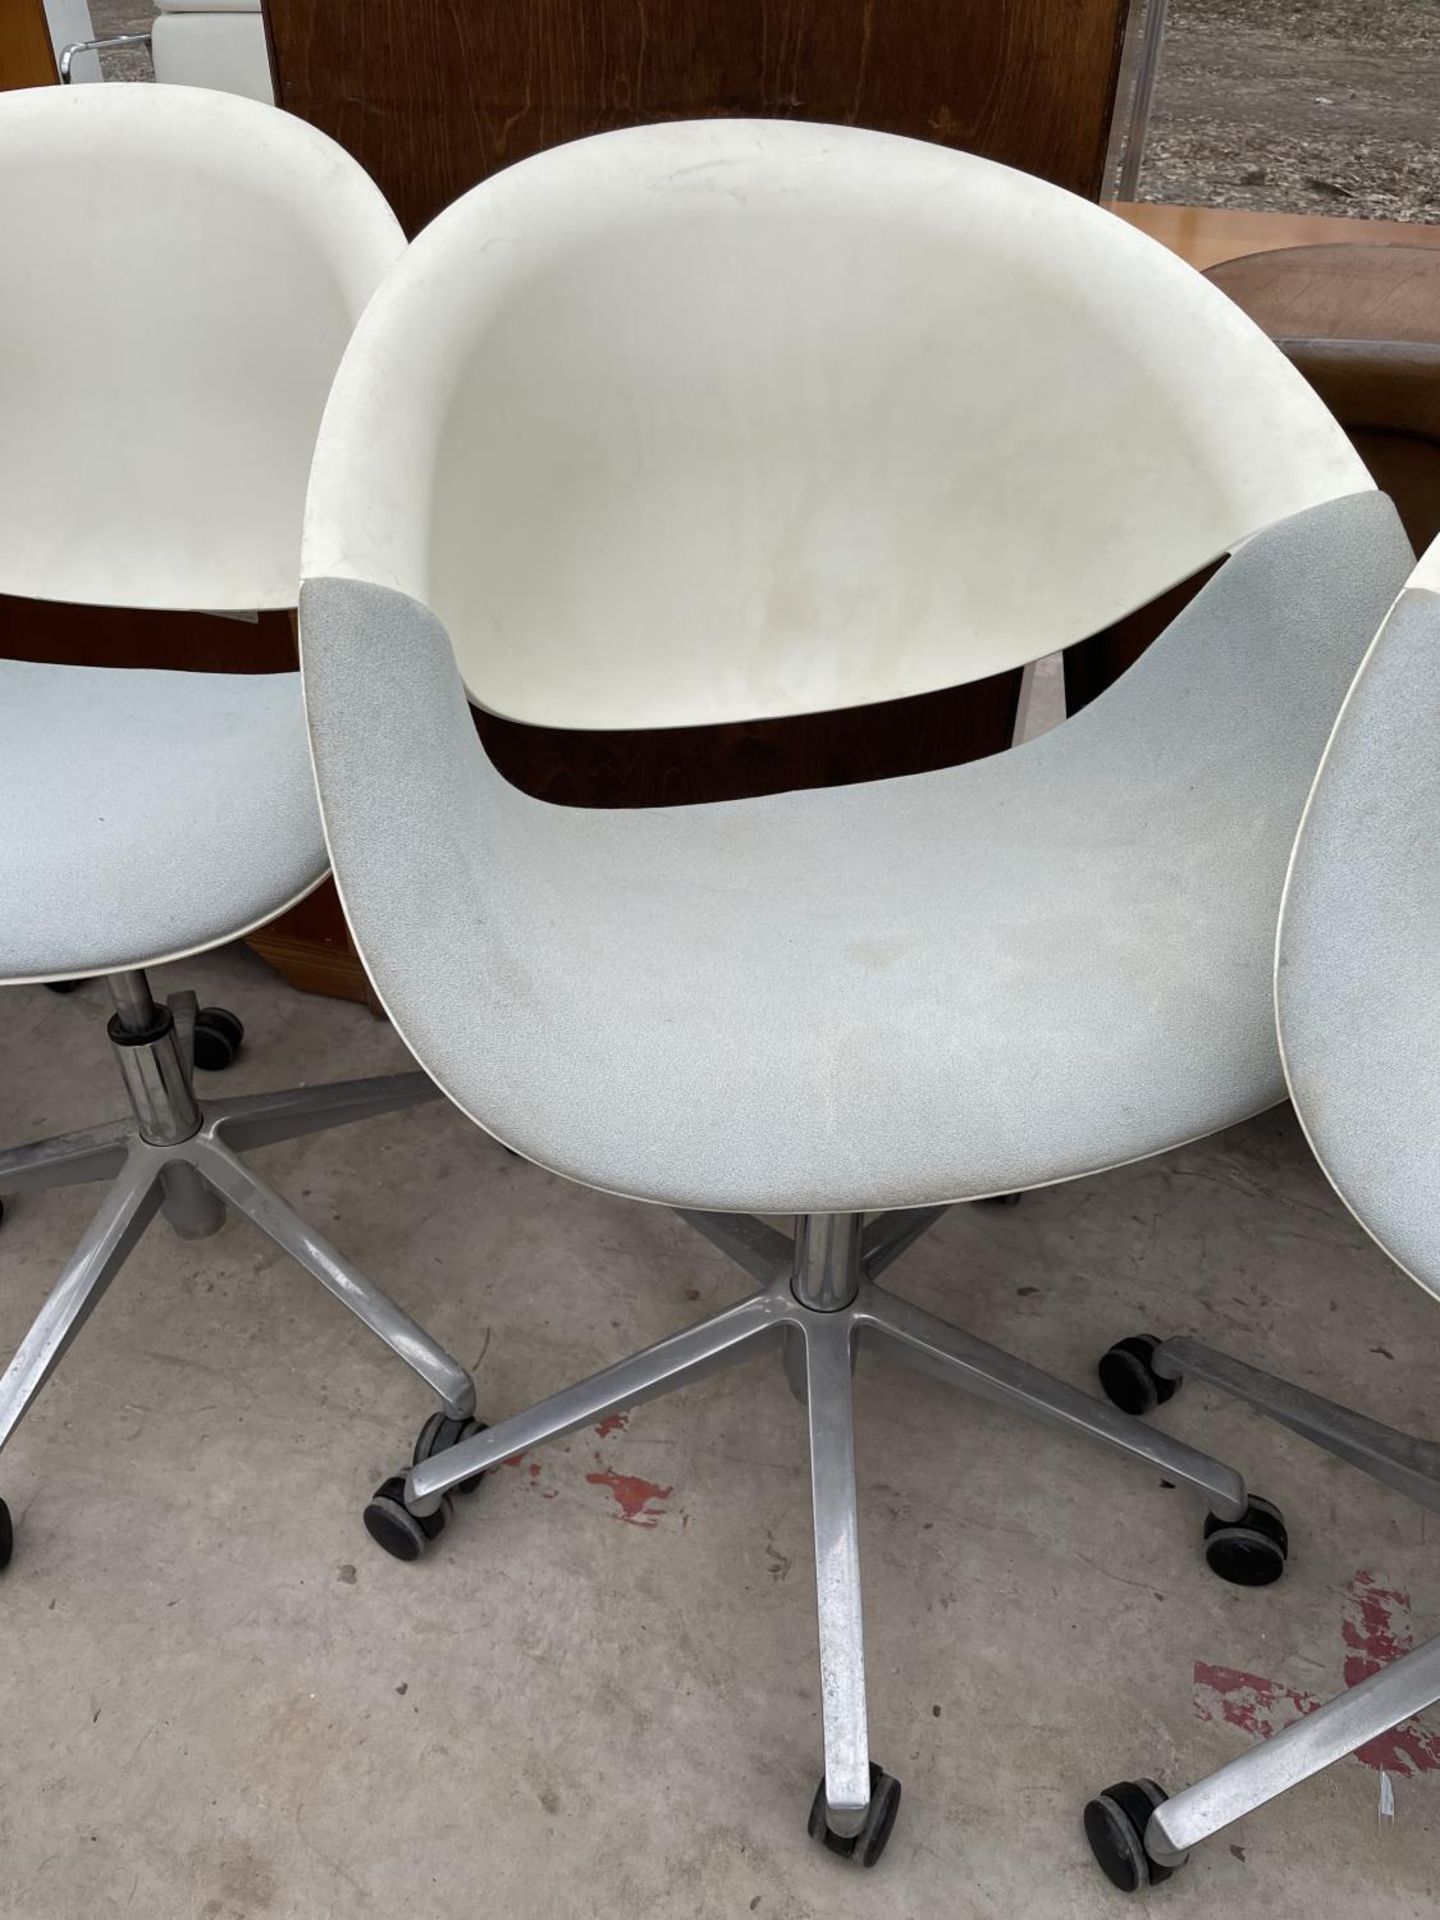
27 58
137 637
433 95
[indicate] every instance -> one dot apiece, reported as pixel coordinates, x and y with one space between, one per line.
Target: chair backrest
1357 971
180 272
727 419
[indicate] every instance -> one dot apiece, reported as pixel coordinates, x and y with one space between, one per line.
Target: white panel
1427 569
723 419
225 51
179 273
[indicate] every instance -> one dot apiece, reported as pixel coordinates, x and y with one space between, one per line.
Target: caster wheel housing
1128 1376
388 1520
865 1847
218 1037
391 1525
1115 1823
1250 1551
7 1537
441 1432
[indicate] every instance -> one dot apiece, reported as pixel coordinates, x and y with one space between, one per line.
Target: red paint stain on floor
633 1496
1376 1627
534 1469
1246 1700
1374 1631
613 1423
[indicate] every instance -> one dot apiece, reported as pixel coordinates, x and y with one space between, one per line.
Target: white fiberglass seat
711 422
1357 984
715 421
1357 998
180 272
886 995
178 810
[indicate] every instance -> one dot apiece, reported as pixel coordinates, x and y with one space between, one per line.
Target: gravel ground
1293 106
123 16
1299 106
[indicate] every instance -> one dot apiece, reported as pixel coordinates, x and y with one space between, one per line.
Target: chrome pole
103 45
134 1006
1141 99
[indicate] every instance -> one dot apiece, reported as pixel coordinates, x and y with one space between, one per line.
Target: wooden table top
1365 292
1205 235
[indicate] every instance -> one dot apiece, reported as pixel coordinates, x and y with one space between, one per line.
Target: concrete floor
219 1701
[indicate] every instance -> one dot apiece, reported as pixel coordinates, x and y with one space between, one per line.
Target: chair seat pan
876 996
147 815
1357 979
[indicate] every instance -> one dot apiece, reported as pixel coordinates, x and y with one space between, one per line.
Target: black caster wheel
1115 1823
441 1432
1001 1200
1128 1375
2 1213
391 1525
218 1034
7 1537
1250 1551
62 986
865 1847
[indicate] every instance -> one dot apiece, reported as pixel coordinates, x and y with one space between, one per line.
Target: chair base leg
126 1211
71 1159
1137 1844
817 1303
1140 1836
1297 1753
1400 1460
179 1155
227 1176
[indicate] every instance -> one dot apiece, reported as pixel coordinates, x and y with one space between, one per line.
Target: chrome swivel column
155 1050
818 1301
178 1155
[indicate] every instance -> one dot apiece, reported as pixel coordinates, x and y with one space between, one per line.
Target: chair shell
637 357
1357 986
181 271
682 424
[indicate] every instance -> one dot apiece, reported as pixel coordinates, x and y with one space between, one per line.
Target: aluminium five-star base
818 1300
177 1156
